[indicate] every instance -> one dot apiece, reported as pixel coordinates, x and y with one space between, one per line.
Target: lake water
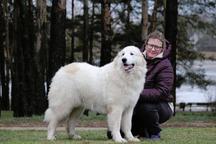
187 93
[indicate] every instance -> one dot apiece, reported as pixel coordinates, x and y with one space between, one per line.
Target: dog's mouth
128 67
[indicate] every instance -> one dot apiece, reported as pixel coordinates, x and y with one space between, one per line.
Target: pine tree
57 38
106 33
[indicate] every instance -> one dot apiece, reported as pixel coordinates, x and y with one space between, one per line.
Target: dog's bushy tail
48 115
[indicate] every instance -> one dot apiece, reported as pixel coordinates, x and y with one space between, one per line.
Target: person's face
153 48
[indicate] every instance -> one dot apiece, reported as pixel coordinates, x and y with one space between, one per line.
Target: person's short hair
156 35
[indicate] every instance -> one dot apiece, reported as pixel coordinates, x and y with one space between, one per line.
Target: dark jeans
148 116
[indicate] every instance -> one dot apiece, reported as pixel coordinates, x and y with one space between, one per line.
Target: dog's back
113 89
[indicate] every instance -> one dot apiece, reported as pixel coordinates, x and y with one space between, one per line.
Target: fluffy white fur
112 89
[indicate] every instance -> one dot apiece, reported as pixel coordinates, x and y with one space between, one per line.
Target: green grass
194 116
176 131
8 116
169 136
7 119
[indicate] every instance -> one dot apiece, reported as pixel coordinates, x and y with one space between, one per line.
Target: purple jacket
159 79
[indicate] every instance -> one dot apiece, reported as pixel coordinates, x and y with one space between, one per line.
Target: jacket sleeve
162 86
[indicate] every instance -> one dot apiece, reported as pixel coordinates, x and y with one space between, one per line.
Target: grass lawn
169 136
180 119
184 128
8 120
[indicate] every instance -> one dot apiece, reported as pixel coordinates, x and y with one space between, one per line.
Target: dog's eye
131 53
123 54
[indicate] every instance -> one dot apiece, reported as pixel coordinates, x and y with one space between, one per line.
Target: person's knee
165 113
165 117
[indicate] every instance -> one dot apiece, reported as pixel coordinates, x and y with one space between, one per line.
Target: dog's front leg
114 121
126 125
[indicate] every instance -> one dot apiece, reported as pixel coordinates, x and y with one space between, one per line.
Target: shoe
155 137
145 133
142 134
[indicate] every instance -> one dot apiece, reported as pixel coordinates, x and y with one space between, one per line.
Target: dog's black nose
124 60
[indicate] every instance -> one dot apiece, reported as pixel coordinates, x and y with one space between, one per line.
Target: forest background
37 37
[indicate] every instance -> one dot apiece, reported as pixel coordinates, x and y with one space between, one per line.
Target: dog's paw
76 137
51 138
134 139
120 140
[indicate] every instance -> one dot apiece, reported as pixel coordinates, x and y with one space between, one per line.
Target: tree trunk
72 32
91 37
144 19
105 33
153 24
2 38
171 14
129 9
9 47
8 55
24 63
30 79
18 65
5 88
57 38
4 76
127 28
0 102
85 36
41 40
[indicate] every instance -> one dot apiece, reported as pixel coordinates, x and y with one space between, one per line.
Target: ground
181 119
184 128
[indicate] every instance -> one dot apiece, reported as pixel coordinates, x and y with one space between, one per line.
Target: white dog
112 89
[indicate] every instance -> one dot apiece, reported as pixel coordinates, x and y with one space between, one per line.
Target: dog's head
130 58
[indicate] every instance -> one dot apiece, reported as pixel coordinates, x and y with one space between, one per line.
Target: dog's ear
115 60
144 63
142 58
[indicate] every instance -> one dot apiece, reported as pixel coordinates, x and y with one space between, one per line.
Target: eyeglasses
151 46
